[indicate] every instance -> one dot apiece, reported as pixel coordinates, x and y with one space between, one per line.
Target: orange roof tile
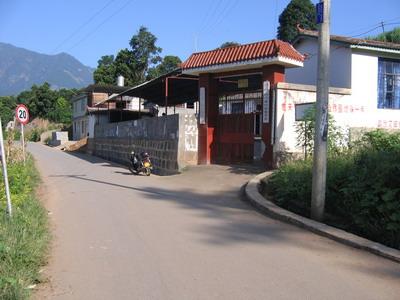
242 53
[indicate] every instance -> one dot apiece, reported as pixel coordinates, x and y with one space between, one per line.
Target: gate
238 123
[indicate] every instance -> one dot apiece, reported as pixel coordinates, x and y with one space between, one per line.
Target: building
90 107
236 100
364 80
371 69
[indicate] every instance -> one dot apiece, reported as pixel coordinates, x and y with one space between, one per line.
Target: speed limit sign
22 114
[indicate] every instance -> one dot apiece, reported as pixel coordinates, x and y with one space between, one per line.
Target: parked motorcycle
140 163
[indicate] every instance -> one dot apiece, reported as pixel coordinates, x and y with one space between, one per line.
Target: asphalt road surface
189 236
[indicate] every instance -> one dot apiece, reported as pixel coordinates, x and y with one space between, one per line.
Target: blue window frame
388 83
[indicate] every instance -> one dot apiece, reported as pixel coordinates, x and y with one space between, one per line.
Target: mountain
21 68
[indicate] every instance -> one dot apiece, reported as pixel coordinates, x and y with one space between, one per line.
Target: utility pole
321 122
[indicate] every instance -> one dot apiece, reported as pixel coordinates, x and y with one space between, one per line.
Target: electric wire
99 25
82 26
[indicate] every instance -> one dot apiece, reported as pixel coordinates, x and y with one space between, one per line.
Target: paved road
119 236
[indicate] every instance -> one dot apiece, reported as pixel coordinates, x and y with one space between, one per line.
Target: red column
273 74
206 131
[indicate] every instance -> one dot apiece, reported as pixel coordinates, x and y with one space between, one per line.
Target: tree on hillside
168 64
392 36
228 44
105 72
298 12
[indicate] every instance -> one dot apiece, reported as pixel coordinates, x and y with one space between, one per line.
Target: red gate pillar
206 130
273 74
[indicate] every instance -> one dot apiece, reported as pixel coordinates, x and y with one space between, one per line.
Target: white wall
340 65
340 106
79 106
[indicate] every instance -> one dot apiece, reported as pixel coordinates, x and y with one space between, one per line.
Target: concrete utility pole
321 122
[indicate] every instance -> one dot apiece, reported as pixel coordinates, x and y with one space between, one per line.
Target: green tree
145 53
7 109
228 44
40 100
298 12
168 64
125 65
62 111
392 36
106 70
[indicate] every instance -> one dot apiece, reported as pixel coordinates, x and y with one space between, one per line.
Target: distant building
90 107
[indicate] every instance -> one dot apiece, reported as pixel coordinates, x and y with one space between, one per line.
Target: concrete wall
340 65
171 141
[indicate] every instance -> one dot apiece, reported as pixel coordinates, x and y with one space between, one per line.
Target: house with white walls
91 107
364 81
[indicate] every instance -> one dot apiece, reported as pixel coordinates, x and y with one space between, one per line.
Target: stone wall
171 141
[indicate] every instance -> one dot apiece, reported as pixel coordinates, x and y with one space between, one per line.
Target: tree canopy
168 64
105 72
140 62
297 12
228 44
42 101
392 36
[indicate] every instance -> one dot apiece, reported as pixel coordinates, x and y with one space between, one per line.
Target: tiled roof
242 53
348 40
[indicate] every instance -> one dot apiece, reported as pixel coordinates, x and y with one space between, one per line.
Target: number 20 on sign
22 115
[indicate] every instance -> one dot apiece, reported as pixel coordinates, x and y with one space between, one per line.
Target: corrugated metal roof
242 53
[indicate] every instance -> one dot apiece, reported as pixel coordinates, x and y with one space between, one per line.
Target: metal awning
166 90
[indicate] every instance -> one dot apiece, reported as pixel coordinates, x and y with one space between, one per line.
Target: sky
89 29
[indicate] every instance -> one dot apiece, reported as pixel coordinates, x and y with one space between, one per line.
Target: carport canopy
169 89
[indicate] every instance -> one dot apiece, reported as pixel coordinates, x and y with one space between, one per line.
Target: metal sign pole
5 175
23 142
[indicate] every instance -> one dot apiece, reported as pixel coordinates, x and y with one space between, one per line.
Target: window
388 84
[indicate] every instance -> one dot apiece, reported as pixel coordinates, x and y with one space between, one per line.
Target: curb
253 195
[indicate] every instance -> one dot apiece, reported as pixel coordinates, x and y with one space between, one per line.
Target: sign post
5 175
22 115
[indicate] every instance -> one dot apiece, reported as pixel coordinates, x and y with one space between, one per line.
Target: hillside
21 68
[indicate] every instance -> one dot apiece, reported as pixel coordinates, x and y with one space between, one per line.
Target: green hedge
363 188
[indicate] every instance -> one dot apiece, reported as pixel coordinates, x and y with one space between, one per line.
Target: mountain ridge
20 68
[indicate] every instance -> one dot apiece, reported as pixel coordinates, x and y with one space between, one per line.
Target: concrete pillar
273 74
206 131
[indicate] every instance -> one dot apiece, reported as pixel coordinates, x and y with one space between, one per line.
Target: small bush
363 188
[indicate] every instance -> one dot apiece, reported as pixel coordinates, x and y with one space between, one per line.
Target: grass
24 238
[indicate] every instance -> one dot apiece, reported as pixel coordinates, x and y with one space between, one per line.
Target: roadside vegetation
363 186
24 237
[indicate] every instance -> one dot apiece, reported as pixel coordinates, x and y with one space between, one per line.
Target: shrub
363 188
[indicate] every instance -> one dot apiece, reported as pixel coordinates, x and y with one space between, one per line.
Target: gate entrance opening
238 125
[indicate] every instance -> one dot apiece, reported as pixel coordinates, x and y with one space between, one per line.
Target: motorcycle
140 163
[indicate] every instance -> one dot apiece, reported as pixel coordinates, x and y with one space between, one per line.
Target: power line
223 15
83 25
101 24
207 22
